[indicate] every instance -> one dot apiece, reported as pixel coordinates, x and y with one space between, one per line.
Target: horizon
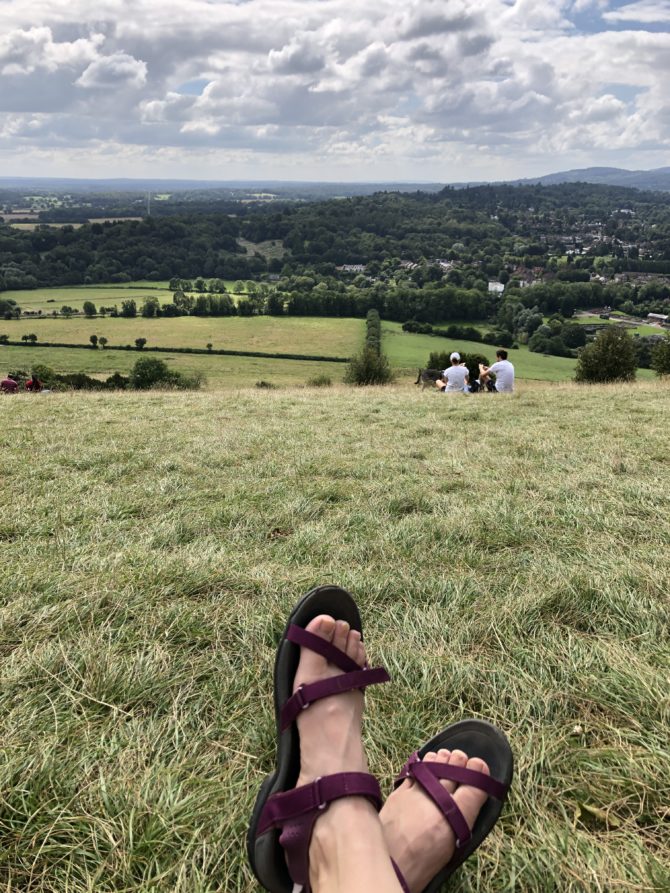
325 181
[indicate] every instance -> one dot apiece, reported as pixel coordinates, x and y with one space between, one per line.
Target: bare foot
330 729
330 742
419 838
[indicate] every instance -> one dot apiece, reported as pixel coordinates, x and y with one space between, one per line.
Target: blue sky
438 90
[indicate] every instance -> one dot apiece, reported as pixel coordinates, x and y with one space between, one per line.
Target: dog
428 377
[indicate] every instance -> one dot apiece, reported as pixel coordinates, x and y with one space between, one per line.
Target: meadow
290 334
510 559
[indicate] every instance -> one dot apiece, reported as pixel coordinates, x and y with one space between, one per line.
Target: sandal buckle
300 698
321 803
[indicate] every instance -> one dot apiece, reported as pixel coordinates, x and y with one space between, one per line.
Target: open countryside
165 503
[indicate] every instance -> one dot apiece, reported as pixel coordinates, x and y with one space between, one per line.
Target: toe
458 758
470 800
341 634
430 757
322 626
311 665
353 645
445 756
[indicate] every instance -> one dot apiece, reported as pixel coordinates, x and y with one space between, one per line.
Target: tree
102 341
128 308
611 357
151 308
4 339
368 367
660 356
89 309
29 339
94 341
140 342
209 346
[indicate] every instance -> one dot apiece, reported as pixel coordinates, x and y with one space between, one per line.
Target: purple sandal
284 816
477 739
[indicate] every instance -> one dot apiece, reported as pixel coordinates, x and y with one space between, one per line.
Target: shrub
149 373
140 342
660 356
118 381
611 357
89 308
266 384
319 381
94 341
368 367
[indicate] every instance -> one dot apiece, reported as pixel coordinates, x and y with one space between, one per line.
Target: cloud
333 87
646 12
113 72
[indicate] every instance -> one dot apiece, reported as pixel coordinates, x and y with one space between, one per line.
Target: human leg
315 824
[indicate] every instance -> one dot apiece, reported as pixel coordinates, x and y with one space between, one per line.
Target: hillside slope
510 559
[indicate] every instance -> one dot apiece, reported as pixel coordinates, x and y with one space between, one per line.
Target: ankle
346 826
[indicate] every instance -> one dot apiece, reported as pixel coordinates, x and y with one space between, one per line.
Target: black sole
265 853
477 739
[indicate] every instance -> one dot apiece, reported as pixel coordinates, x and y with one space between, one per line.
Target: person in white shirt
503 371
456 377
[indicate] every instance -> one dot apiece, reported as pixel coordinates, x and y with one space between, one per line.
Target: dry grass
510 557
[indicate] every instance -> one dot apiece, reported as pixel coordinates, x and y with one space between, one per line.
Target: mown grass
407 352
220 372
510 559
289 334
48 299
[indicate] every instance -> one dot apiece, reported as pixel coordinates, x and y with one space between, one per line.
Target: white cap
455 356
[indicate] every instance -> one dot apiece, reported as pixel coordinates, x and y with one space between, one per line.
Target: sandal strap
305 639
459 774
428 775
288 805
305 695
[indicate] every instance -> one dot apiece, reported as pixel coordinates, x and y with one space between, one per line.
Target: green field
643 329
221 372
48 299
153 544
408 352
290 334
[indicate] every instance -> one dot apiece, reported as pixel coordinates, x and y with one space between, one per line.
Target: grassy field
48 299
408 352
153 545
221 372
295 334
643 329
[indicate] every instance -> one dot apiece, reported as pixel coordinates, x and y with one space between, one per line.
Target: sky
337 90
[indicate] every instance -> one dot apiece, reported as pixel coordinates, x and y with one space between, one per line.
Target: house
352 268
661 318
496 288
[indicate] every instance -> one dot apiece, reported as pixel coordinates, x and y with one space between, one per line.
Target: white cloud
114 72
331 87
645 12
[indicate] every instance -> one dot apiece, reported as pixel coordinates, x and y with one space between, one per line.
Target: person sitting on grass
9 385
34 384
456 377
503 371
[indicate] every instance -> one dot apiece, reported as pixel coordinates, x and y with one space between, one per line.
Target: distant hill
282 188
658 179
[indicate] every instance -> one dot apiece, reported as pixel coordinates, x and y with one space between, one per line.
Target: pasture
154 543
409 351
221 372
